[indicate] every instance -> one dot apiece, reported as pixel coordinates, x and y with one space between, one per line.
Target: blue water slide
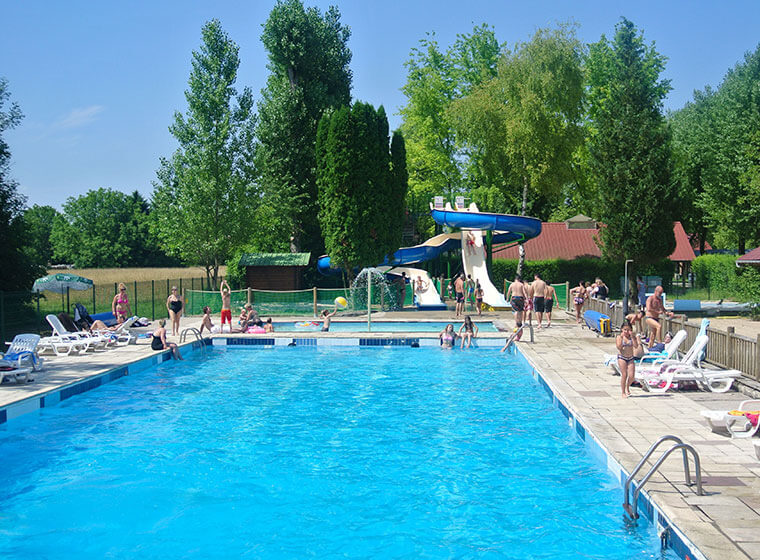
426 251
508 228
511 228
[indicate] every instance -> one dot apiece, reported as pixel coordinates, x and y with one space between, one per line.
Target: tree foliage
526 121
309 73
38 224
362 186
105 228
438 162
205 199
629 146
22 269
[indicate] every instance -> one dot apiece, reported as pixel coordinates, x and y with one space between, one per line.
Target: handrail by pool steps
631 507
196 333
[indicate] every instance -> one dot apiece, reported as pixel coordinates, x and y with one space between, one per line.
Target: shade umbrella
60 282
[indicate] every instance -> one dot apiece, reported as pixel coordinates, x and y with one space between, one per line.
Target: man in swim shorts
654 309
459 291
516 296
549 296
224 290
539 295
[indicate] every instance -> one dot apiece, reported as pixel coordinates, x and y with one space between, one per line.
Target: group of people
531 297
584 291
466 290
466 333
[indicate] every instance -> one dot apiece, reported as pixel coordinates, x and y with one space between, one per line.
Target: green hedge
720 275
586 269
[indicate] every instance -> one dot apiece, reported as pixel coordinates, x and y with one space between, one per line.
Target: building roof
753 257
558 241
275 259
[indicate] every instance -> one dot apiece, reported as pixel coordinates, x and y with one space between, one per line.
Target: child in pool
327 317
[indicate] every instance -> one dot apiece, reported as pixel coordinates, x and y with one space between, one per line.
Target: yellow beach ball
341 302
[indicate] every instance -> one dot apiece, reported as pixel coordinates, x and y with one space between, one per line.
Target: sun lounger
757 450
93 341
21 359
120 336
732 421
663 374
62 343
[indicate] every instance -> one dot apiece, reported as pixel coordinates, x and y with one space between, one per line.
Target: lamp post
625 288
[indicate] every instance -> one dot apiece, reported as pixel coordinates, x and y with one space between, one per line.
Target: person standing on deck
224 291
549 297
654 309
539 295
516 296
459 290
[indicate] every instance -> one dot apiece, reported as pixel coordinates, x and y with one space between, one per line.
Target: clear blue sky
99 81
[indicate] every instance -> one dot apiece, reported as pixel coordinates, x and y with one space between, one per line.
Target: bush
720 275
586 268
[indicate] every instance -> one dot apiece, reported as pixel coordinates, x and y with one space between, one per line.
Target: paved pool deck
723 524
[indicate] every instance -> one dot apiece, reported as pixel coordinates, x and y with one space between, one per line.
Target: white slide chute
474 263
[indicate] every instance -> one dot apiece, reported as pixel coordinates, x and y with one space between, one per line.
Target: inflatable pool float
307 324
255 330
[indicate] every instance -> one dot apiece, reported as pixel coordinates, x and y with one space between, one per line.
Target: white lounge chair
93 341
21 359
660 377
757 450
737 425
62 343
120 336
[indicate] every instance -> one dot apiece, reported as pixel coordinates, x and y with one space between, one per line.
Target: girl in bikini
120 304
470 331
448 337
627 346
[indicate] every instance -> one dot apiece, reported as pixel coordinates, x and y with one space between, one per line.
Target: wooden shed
274 271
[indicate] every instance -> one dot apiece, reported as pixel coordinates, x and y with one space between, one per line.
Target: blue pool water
378 326
311 452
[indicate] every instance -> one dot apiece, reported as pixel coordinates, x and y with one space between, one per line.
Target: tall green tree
734 119
629 146
309 73
38 224
526 121
693 148
12 232
362 186
205 198
438 162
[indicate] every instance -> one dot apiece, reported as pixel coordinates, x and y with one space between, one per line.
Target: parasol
58 283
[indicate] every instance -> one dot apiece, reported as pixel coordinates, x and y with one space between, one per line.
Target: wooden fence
725 348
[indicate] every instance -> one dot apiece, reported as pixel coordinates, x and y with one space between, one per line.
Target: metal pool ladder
196 334
631 508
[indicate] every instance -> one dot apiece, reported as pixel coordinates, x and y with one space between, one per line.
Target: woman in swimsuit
579 296
158 342
448 337
470 331
174 305
120 304
627 346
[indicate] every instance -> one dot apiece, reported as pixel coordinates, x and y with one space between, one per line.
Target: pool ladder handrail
196 333
631 508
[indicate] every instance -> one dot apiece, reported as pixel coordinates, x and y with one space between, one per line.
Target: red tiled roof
753 257
556 241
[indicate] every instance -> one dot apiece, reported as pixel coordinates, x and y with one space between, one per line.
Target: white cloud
78 117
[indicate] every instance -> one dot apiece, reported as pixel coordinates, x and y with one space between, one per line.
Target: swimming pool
309 451
378 326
